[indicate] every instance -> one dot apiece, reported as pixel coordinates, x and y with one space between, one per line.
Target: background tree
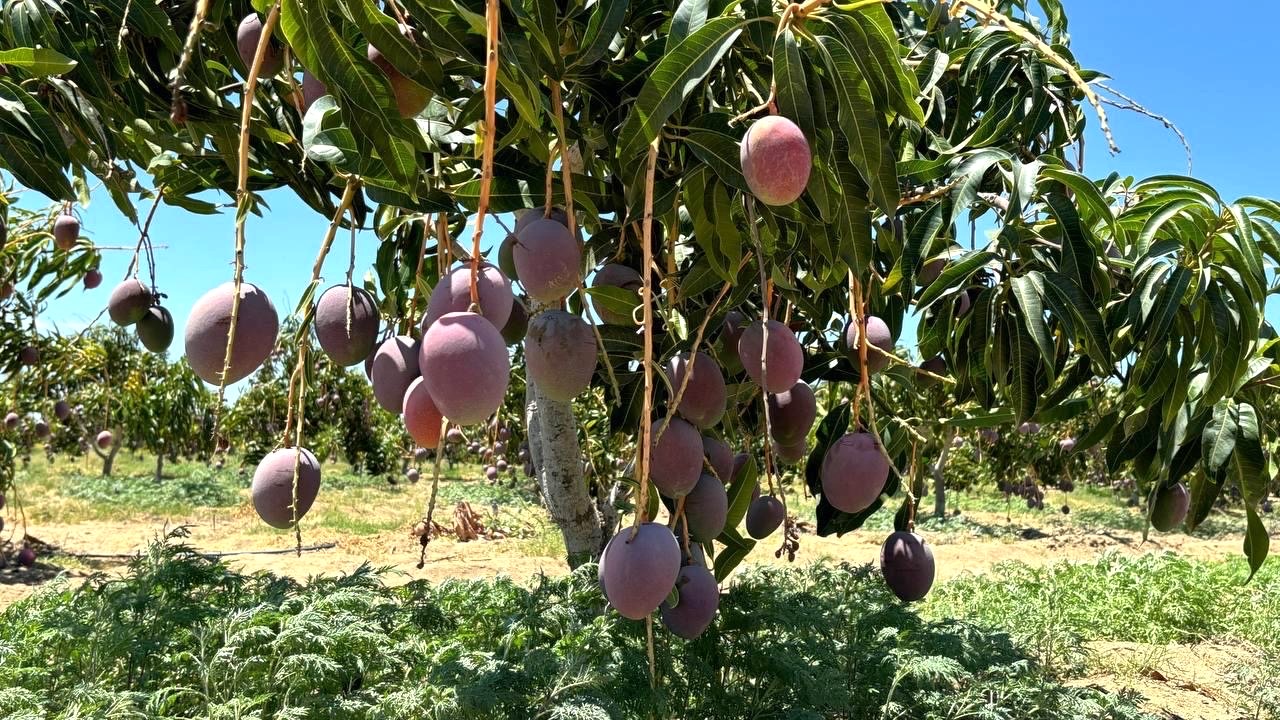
922 118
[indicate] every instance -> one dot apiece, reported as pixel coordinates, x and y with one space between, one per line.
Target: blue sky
1209 72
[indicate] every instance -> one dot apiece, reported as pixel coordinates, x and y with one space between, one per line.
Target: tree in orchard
805 172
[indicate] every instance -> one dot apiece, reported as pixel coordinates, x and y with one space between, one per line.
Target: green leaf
414 57
40 62
968 178
956 273
368 106
606 20
923 231
1249 460
740 490
862 125
792 86
1024 362
1157 221
1256 542
1028 297
1078 255
673 79
1219 439
690 15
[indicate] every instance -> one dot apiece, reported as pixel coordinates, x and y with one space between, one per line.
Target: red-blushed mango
931 271
312 90
617 276
785 359
696 606
421 418
705 396
6 289
560 354
907 564
411 98
528 217
453 294
395 366
62 410
209 324
879 342
29 355
764 515
128 302
791 414
854 472
346 344
639 572
155 329
791 453
549 260
11 421
66 231
248 35
730 333
776 160
936 365
720 456
26 556
706 508
104 439
517 324
273 487
465 363
676 459
42 429
412 475
1170 507
92 279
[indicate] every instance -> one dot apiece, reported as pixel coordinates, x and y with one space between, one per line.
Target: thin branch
989 14
1134 106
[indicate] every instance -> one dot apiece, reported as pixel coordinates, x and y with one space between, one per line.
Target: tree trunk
108 459
159 467
939 479
557 463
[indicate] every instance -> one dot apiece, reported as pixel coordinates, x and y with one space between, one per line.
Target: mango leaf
741 488
956 273
40 62
862 124
606 20
1219 438
673 79
690 15
1256 542
792 87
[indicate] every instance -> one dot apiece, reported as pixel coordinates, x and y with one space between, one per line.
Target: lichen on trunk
557 463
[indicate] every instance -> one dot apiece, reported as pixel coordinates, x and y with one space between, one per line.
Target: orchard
748 253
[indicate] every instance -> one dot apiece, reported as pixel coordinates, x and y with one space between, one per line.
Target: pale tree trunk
557 464
159 467
939 479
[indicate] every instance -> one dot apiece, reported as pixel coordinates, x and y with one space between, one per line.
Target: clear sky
1209 72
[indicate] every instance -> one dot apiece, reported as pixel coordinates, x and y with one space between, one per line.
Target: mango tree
776 193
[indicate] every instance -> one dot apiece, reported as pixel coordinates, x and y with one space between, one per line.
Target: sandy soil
96 545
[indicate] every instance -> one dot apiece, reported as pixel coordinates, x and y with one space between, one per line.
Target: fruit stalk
490 132
646 299
242 197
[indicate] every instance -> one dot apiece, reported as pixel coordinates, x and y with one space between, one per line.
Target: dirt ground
104 545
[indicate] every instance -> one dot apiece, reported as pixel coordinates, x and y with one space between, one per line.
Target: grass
183 636
1156 598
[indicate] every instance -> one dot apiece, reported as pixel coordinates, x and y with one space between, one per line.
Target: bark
159 467
557 463
108 459
939 479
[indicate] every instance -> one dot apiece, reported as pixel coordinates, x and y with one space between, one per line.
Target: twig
177 108
1134 106
490 131
646 296
242 199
